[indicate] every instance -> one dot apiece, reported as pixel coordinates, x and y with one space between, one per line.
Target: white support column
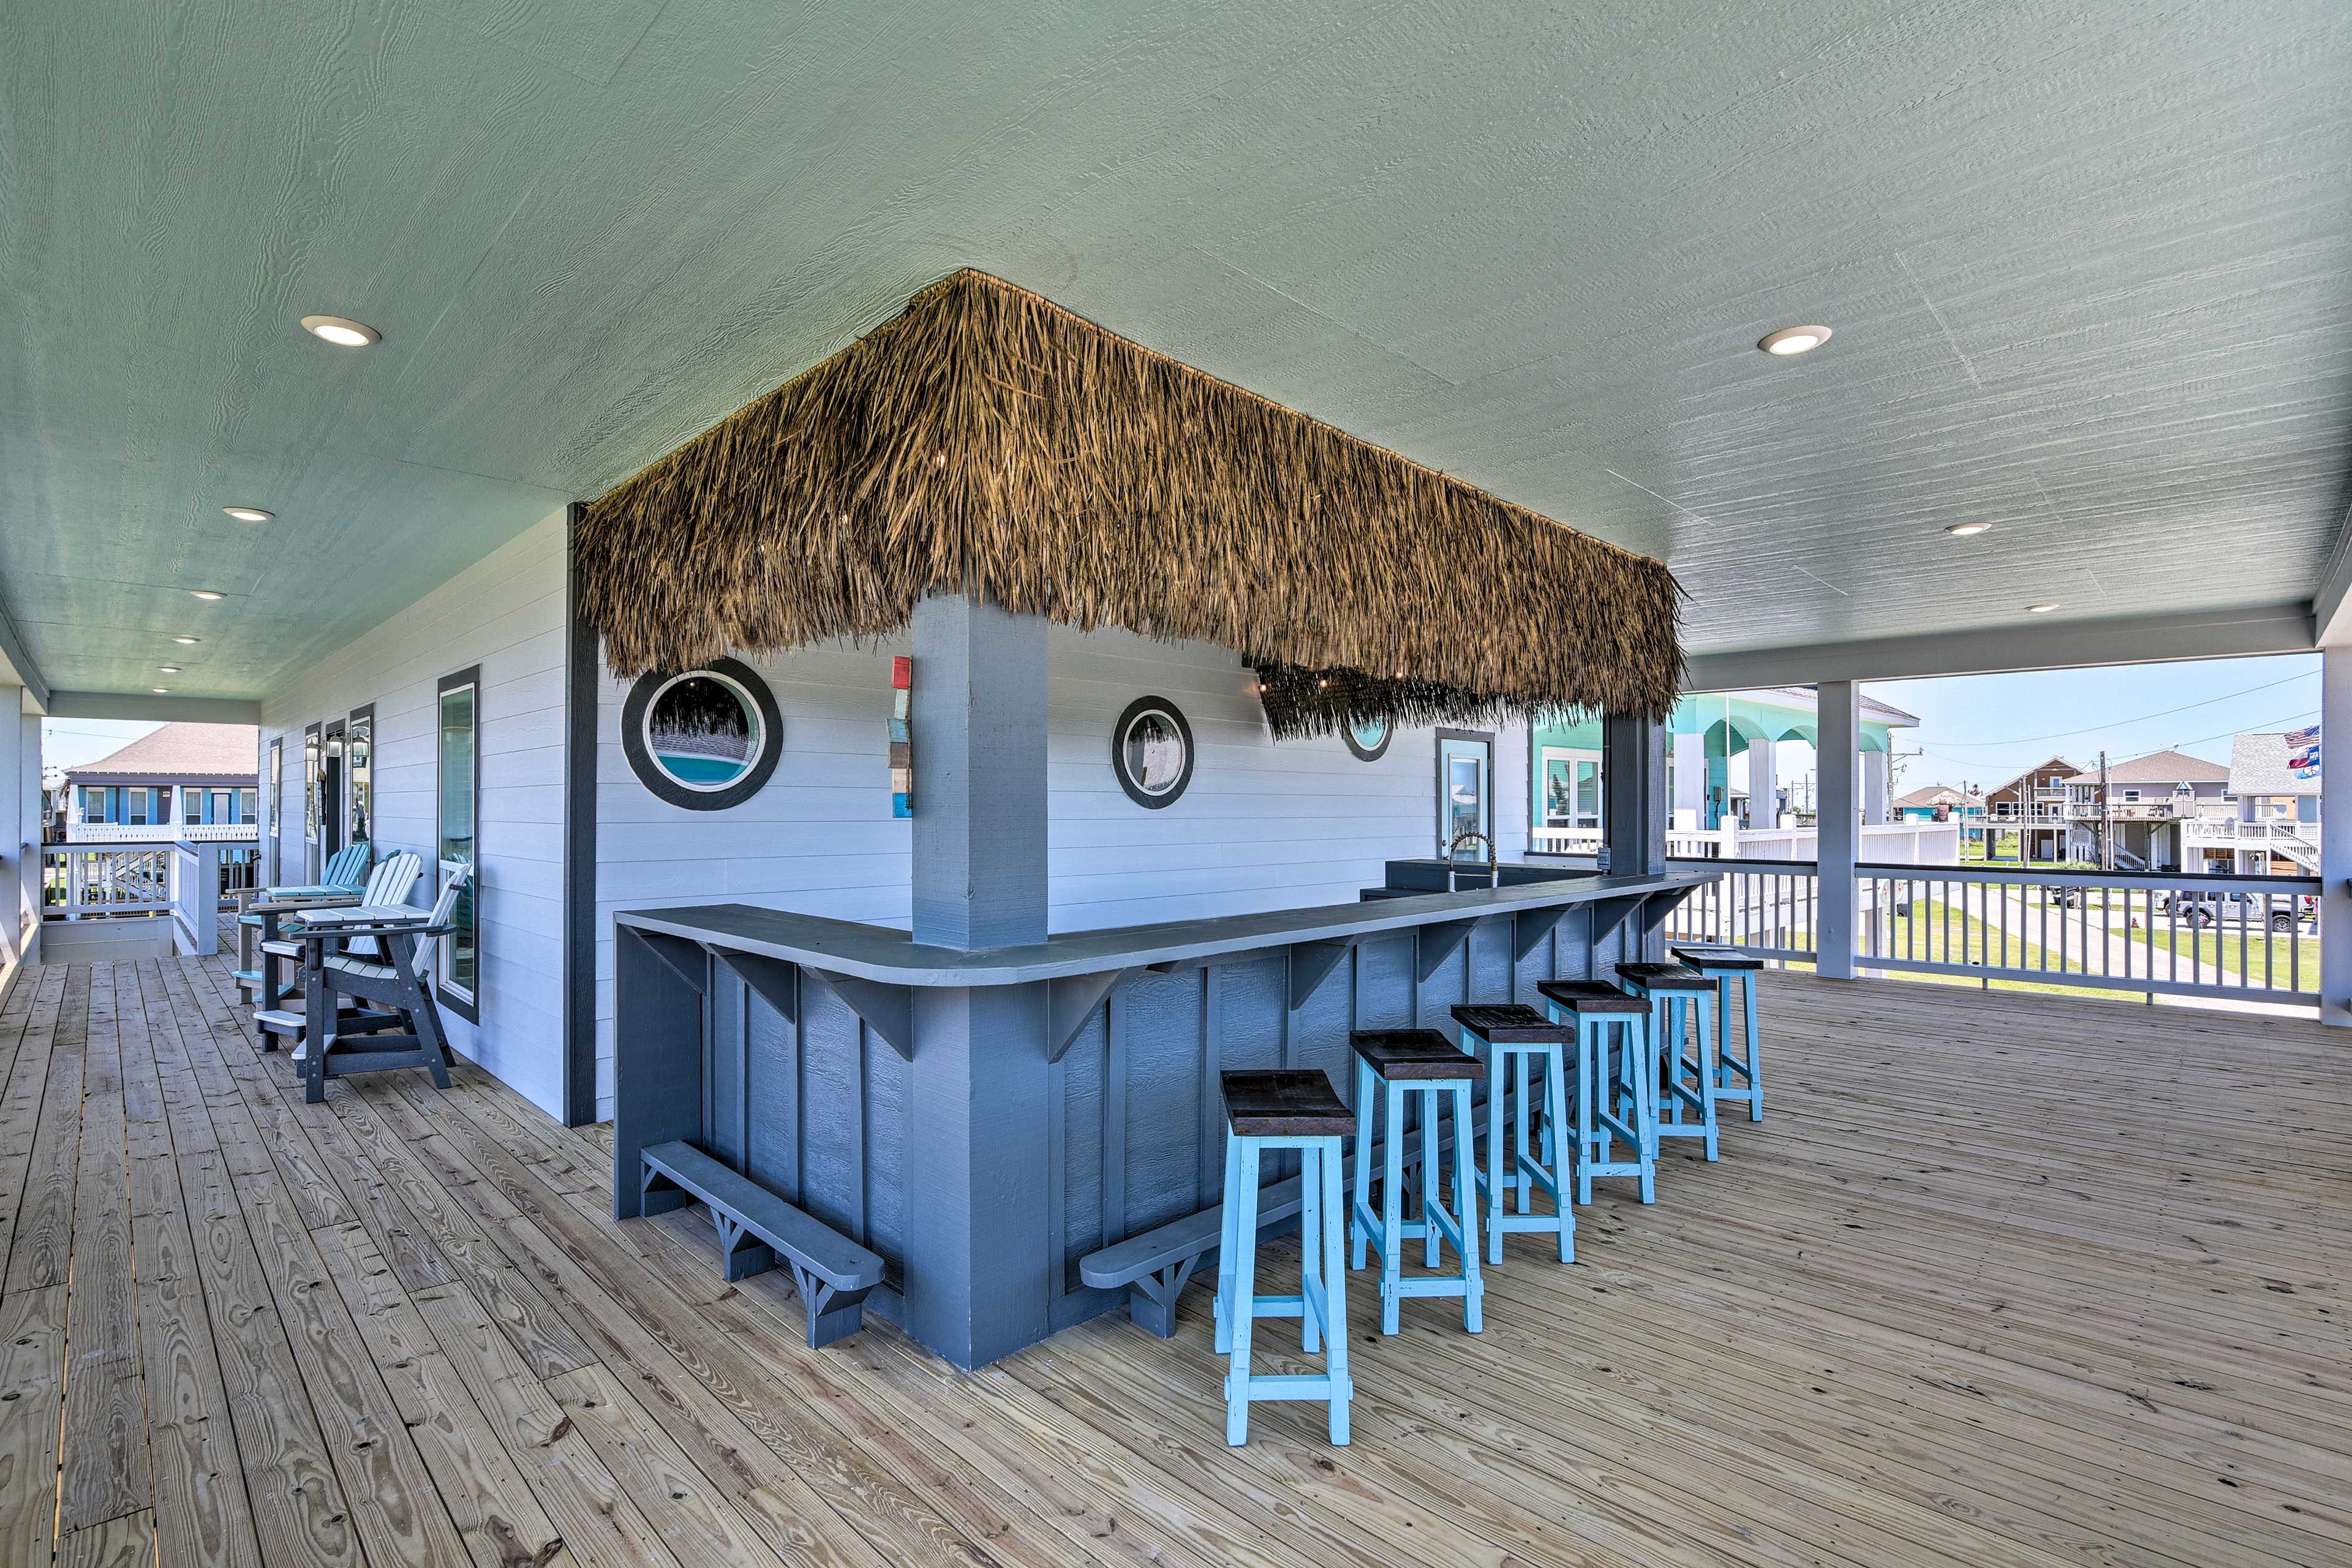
2335 834
1690 778
1837 760
1875 767
1763 787
20 831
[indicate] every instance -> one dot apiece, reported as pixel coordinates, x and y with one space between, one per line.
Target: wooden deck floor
2003 1279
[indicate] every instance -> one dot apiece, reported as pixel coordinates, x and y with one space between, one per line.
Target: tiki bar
1123 613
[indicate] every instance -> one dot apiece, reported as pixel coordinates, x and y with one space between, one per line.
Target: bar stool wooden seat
1516 1038
1613 1106
1728 967
1393 1065
1290 1109
1682 1006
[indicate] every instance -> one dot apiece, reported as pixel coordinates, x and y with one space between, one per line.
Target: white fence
1883 843
139 833
82 883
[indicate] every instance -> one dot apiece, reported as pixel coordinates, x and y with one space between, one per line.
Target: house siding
505 613
1261 826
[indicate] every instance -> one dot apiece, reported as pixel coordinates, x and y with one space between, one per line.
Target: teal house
1706 732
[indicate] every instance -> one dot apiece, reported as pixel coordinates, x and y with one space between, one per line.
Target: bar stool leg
1431 1177
1497 1058
1391 1206
1335 1288
1358 1227
1465 1207
1519 1132
1228 1246
1310 1244
1642 1063
1591 1040
1556 1115
1709 1041
1237 1376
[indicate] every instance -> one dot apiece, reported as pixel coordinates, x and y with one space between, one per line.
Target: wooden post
979 1275
2335 834
1634 810
1837 754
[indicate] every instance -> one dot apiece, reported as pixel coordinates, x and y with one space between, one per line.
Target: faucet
1493 875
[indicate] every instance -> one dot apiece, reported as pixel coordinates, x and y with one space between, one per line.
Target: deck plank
1985 1288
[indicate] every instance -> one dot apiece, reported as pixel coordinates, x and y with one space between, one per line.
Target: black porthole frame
650 773
1136 792
1368 754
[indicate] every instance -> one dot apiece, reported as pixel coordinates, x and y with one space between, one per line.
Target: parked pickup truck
2285 911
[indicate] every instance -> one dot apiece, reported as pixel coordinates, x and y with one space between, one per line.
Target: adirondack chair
386 894
258 910
382 959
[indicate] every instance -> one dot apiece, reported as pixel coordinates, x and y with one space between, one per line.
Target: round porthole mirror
1151 752
703 739
1369 738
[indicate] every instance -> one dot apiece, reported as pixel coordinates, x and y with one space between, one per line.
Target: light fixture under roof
248 513
167 669
341 331
208 596
160 691
1793 340
187 642
2038 609
1967 530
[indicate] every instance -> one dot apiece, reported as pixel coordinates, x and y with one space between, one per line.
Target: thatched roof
987 441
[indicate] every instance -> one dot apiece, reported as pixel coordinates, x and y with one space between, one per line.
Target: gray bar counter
1069 1085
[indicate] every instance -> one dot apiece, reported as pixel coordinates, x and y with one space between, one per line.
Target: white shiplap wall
505 614
1261 827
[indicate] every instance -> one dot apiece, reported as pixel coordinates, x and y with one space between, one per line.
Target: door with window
1466 771
1571 795
359 776
330 789
310 774
457 779
274 781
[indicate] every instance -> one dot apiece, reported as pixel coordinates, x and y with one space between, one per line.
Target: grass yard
1937 933
2292 961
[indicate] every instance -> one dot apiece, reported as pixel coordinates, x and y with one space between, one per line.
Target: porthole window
1151 752
703 739
1369 738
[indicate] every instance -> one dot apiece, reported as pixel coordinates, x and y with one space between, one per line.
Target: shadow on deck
2002 1278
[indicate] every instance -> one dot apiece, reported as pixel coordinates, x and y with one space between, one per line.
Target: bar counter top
893 957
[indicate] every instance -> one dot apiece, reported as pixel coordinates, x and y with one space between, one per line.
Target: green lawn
2291 960
1936 932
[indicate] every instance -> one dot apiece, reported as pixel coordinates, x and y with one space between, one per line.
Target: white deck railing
80 882
2149 934
137 833
1899 843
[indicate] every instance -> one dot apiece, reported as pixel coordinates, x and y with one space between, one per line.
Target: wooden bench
832 1272
1155 1265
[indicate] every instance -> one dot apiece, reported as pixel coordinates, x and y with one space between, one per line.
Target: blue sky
1987 729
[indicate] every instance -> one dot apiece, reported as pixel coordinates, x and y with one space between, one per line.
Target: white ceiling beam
153 709
17 666
2063 644
2331 607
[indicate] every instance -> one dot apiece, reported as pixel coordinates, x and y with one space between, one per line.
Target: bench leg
658 1194
832 1315
1151 1300
746 1254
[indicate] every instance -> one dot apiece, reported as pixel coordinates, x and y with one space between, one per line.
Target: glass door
359 769
1571 789
1465 771
330 790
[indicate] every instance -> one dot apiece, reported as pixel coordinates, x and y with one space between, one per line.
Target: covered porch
1982 1293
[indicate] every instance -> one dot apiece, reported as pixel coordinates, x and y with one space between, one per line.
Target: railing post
2336 836
1837 756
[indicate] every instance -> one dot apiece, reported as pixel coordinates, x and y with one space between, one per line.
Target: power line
2121 723
2257 730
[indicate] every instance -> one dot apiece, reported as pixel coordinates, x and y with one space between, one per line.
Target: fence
1902 843
79 883
2145 934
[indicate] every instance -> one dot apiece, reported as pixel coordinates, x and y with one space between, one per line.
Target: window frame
464 1002
360 723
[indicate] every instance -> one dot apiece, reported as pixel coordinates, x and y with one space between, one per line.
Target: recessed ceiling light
167 669
1793 340
160 691
341 331
248 513
208 595
187 642
1966 530
2038 609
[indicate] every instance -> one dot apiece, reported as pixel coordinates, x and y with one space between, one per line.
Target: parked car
2285 912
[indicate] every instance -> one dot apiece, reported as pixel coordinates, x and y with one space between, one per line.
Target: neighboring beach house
2274 829
197 782
2148 802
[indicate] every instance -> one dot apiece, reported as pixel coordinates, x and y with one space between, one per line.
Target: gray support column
1633 784
1763 785
1836 756
980 774
2335 834
980 1270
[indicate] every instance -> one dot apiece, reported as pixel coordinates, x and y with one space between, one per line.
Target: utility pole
2106 818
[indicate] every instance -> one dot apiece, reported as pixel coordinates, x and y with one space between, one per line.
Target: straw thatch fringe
989 442
1300 702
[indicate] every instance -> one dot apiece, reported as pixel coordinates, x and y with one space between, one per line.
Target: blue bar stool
1424 1065
1728 967
1613 1105
1516 1038
1682 1004
1293 1108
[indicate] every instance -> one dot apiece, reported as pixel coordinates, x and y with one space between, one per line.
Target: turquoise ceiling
2087 267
